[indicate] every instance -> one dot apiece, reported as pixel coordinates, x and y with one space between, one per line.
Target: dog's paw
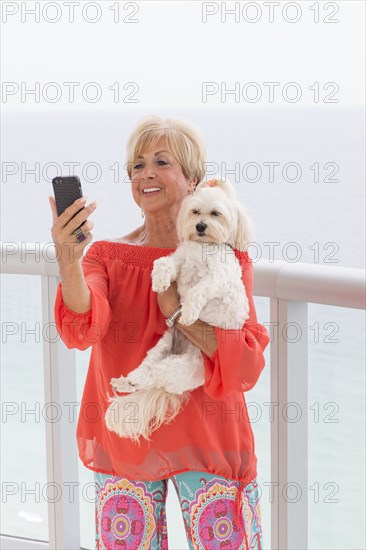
123 385
160 278
188 316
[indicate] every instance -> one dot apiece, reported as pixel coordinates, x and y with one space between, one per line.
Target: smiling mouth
151 190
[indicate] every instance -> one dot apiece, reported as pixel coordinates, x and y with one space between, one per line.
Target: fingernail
83 200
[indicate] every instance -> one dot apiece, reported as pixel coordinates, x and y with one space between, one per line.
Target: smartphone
66 190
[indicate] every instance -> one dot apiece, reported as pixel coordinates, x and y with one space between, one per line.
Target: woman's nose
148 171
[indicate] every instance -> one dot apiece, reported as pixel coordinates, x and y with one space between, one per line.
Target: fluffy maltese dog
210 224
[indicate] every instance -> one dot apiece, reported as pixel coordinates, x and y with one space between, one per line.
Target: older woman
105 300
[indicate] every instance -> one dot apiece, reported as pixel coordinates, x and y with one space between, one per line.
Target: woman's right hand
68 250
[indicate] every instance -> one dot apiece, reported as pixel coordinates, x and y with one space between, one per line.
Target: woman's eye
140 165
215 213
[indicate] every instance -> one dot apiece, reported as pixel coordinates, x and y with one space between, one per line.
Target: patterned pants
130 515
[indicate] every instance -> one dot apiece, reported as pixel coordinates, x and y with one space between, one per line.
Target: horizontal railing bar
8 542
301 282
313 283
32 258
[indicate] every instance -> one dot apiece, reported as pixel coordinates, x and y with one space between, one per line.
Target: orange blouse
213 431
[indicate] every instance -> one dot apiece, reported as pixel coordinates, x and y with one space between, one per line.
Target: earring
190 192
142 213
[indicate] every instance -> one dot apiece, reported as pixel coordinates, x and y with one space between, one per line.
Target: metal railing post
289 436
62 459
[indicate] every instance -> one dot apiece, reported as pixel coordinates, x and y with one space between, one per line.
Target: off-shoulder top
213 432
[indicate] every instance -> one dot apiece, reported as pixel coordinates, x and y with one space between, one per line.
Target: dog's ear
224 185
181 217
242 233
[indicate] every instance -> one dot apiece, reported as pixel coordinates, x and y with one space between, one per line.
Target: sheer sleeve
239 358
81 330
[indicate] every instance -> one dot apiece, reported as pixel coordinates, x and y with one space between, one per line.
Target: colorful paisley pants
130 515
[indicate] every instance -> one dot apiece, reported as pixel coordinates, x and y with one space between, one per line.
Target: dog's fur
211 223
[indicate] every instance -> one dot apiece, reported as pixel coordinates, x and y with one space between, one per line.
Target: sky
153 54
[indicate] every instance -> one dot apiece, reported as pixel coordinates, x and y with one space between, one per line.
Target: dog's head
212 215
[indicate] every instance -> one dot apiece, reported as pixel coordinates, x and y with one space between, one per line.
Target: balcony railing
290 287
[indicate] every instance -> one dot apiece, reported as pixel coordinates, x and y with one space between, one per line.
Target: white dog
210 224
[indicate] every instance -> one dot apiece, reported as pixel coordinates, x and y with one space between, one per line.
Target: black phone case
66 190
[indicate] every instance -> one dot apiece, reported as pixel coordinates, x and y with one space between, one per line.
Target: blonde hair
183 140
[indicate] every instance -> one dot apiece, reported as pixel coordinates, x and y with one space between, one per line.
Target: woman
105 301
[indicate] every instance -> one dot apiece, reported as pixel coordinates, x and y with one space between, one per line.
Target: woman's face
158 182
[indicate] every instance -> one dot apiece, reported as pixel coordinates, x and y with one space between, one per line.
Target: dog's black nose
201 227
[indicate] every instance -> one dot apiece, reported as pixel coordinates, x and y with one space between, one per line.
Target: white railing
290 287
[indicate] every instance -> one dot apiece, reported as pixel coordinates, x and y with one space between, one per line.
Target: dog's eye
215 213
194 211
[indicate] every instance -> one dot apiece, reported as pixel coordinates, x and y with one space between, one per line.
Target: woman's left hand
168 301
